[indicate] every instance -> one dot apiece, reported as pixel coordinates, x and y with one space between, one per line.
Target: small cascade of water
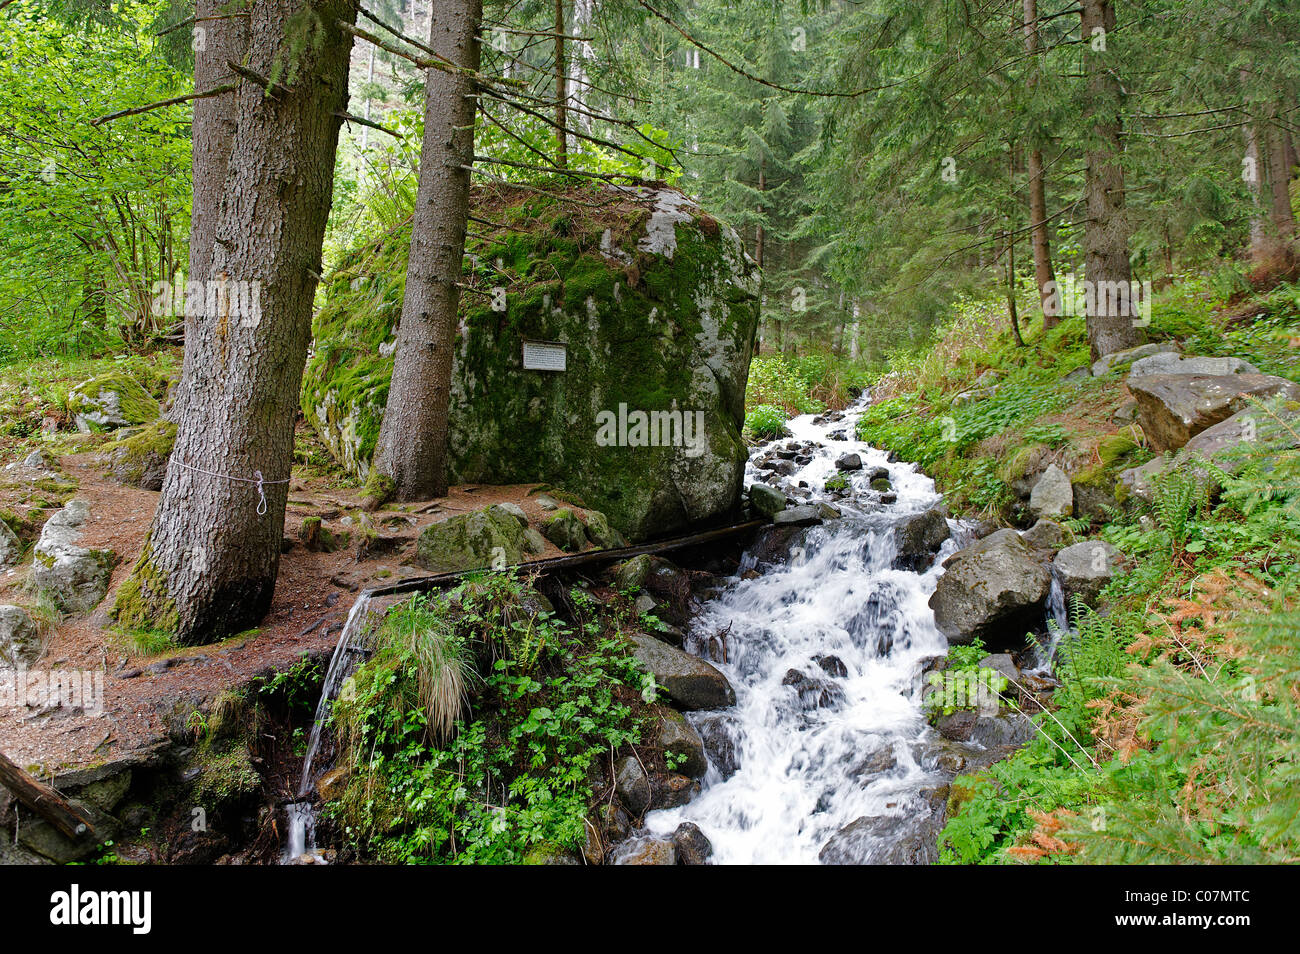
347 652
1058 629
825 654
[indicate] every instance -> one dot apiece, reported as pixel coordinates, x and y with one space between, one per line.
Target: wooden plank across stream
576 560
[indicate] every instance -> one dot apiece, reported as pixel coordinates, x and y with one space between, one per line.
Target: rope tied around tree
256 479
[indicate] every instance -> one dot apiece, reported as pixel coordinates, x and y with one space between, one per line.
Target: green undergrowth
1173 737
973 408
782 386
477 730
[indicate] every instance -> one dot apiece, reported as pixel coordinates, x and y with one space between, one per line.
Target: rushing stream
822 743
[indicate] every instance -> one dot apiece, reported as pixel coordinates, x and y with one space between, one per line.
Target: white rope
255 479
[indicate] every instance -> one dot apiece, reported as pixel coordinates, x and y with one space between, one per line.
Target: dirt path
147 698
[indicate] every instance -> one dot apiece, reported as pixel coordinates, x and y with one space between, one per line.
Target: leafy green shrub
513 777
766 420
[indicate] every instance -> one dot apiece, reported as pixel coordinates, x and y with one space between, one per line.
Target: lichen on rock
109 401
657 353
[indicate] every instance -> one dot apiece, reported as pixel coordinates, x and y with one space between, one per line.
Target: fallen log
45 801
574 561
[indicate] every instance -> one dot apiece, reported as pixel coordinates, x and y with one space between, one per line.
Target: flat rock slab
1174 408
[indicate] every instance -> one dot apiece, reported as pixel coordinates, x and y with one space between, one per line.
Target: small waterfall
1058 628
825 654
302 811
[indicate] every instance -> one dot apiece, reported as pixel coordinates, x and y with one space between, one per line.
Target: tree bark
1106 233
1043 272
45 801
412 447
212 132
1281 216
561 91
209 562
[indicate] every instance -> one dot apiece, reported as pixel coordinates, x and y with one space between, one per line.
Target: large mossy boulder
656 305
482 539
109 401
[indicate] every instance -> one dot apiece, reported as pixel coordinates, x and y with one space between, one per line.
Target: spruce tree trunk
1281 216
1043 273
1106 234
561 91
212 134
209 561
412 447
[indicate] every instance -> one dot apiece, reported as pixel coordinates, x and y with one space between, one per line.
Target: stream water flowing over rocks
827 754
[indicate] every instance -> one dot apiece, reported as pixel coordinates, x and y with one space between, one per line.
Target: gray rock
600 533
653 851
1053 495
1003 664
1174 363
1174 408
1126 413
651 467
1085 568
632 784
693 848
513 510
766 500
887 840
632 574
804 515
690 682
76 577
677 737
20 639
565 530
1140 482
1045 535
827 512
993 590
472 541
718 730
919 537
1078 374
1110 362
109 401
11 548
848 462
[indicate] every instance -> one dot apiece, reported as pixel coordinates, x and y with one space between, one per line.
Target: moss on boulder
109 401
657 307
139 459
482 539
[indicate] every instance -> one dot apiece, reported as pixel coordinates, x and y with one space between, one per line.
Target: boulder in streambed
693 847
691 683
678 739
919 538
766 500
804 515
993 590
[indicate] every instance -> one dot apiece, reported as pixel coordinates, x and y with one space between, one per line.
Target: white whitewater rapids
804 773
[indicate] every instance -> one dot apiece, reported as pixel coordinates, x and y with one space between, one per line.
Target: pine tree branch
136 110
